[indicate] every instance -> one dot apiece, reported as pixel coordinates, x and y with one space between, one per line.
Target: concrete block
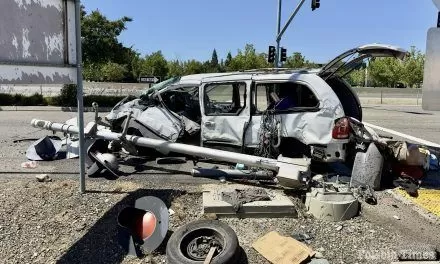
367 168
331 206
279 205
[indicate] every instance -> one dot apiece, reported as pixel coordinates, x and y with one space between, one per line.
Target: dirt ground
51 222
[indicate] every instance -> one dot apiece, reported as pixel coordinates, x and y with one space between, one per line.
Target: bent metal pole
164 146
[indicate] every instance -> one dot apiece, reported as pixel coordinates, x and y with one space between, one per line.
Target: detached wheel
191 243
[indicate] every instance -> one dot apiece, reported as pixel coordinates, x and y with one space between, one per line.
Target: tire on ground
229 254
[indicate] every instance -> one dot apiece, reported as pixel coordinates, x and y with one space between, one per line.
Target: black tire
178 243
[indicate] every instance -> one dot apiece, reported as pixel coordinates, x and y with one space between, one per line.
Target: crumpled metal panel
161 122
225 129
307 127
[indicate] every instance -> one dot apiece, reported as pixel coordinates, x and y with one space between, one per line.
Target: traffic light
271 54
283 54
315 4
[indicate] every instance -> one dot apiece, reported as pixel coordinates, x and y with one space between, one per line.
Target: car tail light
341 129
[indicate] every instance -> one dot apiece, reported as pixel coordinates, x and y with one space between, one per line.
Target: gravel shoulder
52 223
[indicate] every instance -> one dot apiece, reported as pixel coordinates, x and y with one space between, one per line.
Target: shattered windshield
161 85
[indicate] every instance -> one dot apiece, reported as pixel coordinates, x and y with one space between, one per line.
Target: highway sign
149 79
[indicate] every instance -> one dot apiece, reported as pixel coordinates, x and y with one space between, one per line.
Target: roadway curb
51 108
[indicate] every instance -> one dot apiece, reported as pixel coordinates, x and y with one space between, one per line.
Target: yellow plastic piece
428 199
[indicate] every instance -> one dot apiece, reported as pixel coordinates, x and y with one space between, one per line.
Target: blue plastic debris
433 163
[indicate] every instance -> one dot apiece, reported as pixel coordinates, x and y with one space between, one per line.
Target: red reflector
147 226
341 129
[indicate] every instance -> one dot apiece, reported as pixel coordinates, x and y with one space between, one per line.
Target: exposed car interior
281 97
184 101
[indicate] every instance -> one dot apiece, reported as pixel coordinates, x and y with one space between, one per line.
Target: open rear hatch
335 71
352 59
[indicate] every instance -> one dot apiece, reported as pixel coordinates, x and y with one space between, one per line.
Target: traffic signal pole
281 32
277 55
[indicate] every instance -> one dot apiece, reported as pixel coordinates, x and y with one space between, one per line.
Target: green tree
356 77
249 59
154 64
228 60
175 68
92 72
214 61
100 37
296 61
193 67
386 72
113 72
413 68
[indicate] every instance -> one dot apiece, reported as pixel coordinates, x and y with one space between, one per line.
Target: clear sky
186 29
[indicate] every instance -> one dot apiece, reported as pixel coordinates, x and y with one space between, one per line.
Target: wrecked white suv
262 112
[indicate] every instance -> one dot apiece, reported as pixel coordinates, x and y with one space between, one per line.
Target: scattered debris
43 178
280 249
411 154
29 164
318 255
210 255
303 237
408 184
45 148
238 197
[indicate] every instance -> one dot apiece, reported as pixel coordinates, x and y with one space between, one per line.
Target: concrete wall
95 88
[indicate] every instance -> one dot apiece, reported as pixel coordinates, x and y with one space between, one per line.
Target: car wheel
191 243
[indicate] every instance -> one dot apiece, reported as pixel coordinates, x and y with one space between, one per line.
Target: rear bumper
333 152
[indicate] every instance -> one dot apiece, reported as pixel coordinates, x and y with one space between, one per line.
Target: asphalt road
411 120
16 125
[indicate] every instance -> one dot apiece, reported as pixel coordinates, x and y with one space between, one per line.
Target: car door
225 113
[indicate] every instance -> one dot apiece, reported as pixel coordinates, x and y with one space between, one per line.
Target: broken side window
224 98
183 101
283 97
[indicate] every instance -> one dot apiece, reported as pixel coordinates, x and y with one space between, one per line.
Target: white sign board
431 77
437 3
37 43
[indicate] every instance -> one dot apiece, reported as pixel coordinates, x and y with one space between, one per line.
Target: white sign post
431 77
